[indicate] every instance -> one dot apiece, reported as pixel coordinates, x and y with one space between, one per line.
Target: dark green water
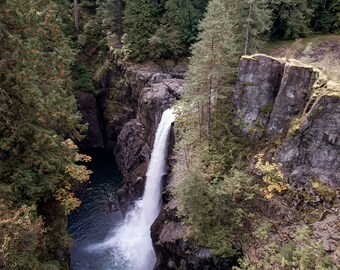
93 221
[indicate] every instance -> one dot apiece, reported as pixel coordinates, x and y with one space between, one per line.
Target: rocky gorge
289 107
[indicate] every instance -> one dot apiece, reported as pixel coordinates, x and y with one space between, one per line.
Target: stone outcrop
269 94
87 105
313 153
295 90
256 88
150 92
174 250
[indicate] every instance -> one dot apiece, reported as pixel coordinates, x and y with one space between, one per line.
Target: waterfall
132 241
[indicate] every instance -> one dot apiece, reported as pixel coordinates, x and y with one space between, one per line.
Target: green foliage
213 208
335 11
253 20
301 252
177 31
91 33
81 78
109 13
292 18
37 113
212 194
213 63
139 25
325 17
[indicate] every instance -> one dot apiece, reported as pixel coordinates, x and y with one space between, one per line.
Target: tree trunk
76 14
246 43
119 6
210 88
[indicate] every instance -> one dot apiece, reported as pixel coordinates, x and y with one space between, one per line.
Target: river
93 221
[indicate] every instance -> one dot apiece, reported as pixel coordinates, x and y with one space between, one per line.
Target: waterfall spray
132 240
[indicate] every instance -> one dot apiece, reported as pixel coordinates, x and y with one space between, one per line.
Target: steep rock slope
311 148
87 104
274 100
150 92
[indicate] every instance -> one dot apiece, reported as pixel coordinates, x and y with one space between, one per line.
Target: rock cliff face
271 95
274 99
314 152
150 92
88 107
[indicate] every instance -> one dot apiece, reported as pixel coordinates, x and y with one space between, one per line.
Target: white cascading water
132 240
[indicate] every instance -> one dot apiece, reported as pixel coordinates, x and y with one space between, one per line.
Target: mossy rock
327 193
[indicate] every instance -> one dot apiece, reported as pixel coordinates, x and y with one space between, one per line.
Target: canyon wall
150 92
295 109
278 102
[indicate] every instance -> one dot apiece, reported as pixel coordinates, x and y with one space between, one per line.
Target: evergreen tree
213 62
291 18
38 114
335 13
109 13
139 25
178 29
254 22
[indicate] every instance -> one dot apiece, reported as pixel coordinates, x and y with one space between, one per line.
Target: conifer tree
254 21
291 18
335 13
139 25
109 12
177 31
213 62
38 115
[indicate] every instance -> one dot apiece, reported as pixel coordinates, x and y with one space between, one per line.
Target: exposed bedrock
174 250
269 93
313 153
150 92
276 98
88 107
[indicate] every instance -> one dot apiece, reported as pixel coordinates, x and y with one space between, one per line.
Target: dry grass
321 51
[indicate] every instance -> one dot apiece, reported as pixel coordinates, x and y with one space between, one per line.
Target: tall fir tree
109 12
254 23
213 63
291 18
335 9
38 115
139 24
177 30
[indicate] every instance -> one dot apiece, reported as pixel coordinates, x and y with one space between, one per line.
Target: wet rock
87 105
154 100
132 156
150 92
174 249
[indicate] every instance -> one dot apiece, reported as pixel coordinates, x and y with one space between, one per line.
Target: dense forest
50 49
